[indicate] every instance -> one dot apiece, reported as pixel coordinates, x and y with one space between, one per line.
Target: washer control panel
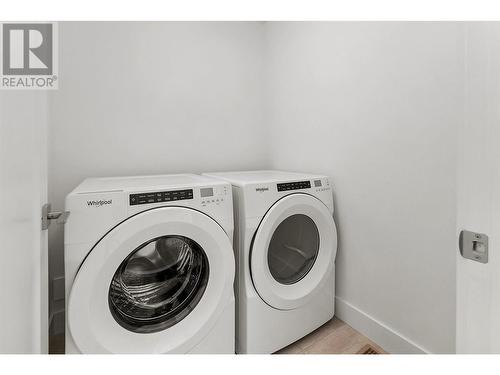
213 195
294 185
322 185
160 196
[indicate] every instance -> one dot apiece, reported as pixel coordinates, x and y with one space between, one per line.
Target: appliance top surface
253 177
94 185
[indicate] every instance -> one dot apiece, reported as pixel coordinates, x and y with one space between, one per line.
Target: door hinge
47 216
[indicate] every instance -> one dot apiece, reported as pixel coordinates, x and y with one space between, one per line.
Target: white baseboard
390 340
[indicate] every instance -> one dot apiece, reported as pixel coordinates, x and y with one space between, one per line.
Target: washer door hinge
47 216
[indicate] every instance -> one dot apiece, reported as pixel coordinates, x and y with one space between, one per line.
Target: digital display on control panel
160 196
206 192
294 185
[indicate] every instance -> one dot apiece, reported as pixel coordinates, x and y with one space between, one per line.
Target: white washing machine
150 266
286 243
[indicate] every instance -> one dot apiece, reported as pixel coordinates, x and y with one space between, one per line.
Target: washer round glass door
156 283
293 251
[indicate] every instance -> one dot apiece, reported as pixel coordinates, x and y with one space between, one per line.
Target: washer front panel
286 272
91 323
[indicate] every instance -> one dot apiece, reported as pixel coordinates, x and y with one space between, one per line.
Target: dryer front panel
156 283
293 251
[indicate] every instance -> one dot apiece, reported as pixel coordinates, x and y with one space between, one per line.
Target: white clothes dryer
285 242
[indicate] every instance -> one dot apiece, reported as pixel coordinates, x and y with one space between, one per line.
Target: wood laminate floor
334 337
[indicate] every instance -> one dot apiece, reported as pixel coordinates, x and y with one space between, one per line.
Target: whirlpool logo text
99 203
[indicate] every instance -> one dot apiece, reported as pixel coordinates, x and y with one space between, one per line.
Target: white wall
478 285
376 106
150 98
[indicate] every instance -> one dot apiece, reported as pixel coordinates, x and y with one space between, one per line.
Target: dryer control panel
160 196
294 185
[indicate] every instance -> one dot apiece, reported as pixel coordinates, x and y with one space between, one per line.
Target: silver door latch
47 216
474 246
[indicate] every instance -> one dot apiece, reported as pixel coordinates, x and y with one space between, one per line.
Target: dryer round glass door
155 283
158 284
293 251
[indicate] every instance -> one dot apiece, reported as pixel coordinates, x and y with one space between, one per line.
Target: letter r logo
27 48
